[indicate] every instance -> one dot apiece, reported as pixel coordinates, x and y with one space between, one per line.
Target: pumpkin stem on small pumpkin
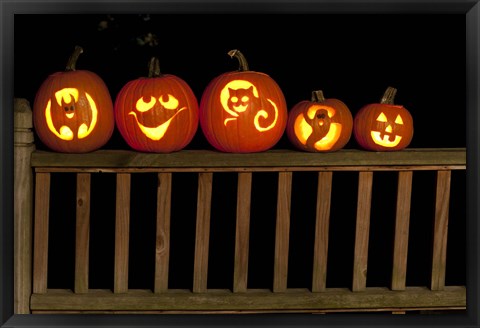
389 96
154 67
241 58
317 96
72 61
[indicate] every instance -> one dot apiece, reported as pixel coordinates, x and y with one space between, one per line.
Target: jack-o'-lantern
73 110
243 111
383 126
158 113
319 125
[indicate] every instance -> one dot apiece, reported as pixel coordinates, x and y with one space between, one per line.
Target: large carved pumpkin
383 126
73 110
158 113
243 111
319 125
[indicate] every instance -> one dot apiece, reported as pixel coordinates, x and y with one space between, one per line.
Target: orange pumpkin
319 125
158 113
383 126
243 111
73 110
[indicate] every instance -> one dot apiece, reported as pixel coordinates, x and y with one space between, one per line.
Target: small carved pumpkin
383 126
243 111
158 113
73 110
319 125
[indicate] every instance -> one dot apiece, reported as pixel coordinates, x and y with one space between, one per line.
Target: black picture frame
9 8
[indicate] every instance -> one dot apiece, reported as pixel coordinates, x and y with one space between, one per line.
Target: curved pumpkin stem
72 61
317 96
154 67
389 96
241 58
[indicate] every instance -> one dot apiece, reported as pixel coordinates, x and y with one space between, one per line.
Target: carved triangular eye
382 118
399 120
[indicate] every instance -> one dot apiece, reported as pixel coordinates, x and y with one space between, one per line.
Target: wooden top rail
288 160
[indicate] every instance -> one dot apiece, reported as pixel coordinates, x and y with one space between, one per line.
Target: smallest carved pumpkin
384 126
319 125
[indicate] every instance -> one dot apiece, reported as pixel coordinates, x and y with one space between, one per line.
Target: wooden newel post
23 195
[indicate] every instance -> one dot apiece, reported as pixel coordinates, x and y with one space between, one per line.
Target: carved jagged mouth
385 141
158 132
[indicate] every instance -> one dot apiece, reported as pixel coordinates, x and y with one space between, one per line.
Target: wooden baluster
282 231
82 239
40 244
122 233
440 231
400 248
242 232
23 205
324 193
204 199
162 254
362 231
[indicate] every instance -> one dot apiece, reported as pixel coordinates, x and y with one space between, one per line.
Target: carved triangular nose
389 129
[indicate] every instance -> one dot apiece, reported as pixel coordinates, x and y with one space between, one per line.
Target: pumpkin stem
154 67
241 58
317 96
389 96
72 61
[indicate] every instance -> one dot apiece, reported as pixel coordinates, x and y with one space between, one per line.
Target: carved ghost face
317 128
319 125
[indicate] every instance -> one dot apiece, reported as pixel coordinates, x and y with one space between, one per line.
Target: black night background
353 58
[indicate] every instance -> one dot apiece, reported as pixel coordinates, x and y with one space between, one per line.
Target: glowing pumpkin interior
75 108
240 96
315 127
168 103
386 138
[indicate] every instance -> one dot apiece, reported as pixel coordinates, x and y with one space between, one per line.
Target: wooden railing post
402 223
23 200
440 231
282 233
322 223
202 234
242 232
122 233
162 249
362 231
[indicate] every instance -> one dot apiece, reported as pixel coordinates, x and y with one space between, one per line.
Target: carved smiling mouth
240 108
157 132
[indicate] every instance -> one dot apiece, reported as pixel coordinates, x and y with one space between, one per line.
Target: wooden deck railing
207 165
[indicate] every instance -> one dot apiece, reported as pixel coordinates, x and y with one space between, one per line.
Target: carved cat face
241 99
